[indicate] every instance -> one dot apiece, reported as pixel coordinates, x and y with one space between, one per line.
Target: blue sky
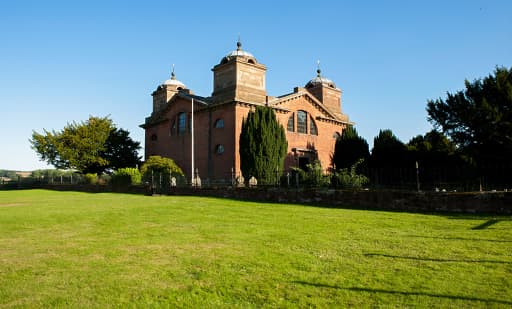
61 61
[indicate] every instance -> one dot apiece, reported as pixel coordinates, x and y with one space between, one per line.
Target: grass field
69 250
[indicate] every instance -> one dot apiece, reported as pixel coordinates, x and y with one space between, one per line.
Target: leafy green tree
263 145
479 118
432 141
93 146
438 158
349 149
120 150
161 165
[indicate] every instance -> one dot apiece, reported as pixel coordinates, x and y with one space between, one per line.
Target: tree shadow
486 224
405 293
459 238
434 259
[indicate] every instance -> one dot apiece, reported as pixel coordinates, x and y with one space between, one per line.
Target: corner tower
166 91
325 91
239 77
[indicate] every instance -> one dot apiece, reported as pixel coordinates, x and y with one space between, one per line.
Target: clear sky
61 61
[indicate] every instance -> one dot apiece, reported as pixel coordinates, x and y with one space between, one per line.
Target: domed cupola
319 80
238 53
166 91
325 91
173 81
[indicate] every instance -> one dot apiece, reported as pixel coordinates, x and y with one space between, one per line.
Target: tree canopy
263 145
92 146
158 164
388 151
349 149
479 119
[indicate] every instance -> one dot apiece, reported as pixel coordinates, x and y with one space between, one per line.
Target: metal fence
424 179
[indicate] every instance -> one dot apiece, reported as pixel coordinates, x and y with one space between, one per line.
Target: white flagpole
192 141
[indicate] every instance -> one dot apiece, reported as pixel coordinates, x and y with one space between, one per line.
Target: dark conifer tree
349 148
263 145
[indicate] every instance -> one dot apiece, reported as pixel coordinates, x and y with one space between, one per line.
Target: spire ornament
238 44
173 76
318 71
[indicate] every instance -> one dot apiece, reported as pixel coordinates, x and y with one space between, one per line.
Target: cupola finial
239 43
318 71
173 76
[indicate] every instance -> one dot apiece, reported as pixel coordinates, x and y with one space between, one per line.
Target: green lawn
69 250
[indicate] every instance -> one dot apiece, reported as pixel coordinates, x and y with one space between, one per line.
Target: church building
311 116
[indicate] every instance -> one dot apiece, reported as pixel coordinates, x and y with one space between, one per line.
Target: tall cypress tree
350 148
263 145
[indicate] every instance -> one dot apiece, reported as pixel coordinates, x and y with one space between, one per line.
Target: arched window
219 149
312 126
250 61
291 123
182 123
219 123
302 122
336 135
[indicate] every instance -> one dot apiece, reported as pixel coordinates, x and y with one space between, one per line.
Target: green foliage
160 165
120 150
432 141
127 176
348 178
313 175
91 178
50 173
388 151
349 148
93 146
479 118
263 145
9 174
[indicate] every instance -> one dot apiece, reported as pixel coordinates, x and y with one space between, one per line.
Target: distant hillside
14 174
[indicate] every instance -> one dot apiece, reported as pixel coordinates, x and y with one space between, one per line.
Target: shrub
91 178
314 175
127 176
349 179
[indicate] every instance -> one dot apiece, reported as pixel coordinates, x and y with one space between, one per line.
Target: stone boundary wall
499 203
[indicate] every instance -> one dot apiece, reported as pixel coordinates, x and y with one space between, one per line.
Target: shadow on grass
459 238
405 293
486 224
434 259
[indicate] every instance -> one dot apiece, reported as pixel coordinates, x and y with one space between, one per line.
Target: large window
291 123
312 127
302 122
182 123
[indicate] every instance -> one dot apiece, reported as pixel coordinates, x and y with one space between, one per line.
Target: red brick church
311 115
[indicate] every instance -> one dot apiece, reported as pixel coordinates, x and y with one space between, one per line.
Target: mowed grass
73 250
